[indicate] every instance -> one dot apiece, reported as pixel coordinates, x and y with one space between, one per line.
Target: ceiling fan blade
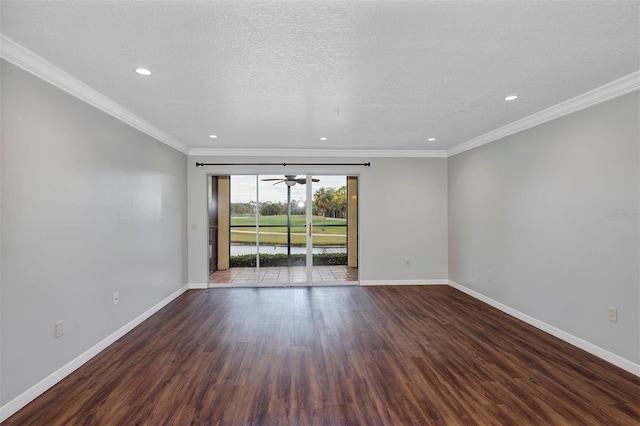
280 181
265 180
303 181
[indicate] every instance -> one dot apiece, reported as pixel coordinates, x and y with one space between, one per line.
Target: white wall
403 213
89 206
552 212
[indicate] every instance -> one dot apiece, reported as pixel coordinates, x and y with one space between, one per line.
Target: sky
243 188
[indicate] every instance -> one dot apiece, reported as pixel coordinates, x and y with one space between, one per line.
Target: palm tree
323 199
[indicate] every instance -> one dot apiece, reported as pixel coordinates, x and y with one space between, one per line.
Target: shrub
249 260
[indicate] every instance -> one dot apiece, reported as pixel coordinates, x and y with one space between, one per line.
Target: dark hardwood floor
338 355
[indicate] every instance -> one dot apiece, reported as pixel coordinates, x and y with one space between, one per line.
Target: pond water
239 249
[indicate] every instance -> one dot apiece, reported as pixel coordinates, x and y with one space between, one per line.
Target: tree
323 199
243 209
269 209
340 201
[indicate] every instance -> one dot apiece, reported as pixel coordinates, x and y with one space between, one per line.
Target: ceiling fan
290 180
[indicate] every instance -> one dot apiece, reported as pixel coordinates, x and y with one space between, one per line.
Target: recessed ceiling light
143 71
212 136
431 139
511 98
323 138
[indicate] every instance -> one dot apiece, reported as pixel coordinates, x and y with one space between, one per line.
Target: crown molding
265 152
34 64
616 88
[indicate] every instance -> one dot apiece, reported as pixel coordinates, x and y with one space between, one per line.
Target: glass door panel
243 245
243 241
330 230
232 239
282 230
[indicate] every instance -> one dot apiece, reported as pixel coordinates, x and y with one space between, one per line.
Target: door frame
309 239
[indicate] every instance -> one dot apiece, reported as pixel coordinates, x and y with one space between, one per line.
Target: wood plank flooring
336 356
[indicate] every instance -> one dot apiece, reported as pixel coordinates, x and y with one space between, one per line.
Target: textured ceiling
366 75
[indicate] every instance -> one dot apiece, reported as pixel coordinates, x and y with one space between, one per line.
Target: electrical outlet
613 314
489 276
407 263
59 329
116 297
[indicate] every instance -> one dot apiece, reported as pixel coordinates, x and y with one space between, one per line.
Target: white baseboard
32 393
198 286
604 354
403 282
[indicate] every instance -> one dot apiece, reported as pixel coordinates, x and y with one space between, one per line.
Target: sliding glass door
283 230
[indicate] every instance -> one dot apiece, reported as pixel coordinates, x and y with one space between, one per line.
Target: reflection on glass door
283 230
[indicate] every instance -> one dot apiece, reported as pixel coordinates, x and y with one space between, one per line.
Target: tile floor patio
284 275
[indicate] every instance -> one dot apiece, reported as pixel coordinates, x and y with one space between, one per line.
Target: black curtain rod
284 164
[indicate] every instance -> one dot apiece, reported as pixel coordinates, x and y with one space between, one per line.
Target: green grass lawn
330 236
